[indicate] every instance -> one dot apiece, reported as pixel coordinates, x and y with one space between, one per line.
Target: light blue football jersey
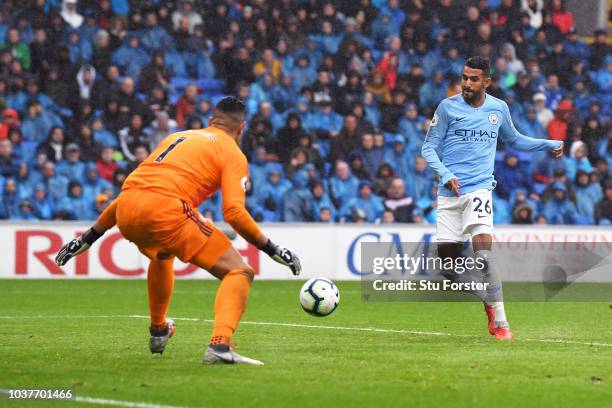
461 142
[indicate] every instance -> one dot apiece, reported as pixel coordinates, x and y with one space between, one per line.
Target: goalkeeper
157 211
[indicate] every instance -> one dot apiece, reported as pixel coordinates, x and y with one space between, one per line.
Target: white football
319 296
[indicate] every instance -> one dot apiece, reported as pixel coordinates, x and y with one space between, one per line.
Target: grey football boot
159 339
222 354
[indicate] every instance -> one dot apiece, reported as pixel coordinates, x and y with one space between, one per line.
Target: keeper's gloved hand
283 256
76 246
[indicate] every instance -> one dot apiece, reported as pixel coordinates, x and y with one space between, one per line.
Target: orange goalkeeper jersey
191 166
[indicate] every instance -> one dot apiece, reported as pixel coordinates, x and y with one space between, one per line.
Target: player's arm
81 244
233 185
434 138
516 140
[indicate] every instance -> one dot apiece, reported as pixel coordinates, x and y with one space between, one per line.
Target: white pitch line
323 327
103 401
118 403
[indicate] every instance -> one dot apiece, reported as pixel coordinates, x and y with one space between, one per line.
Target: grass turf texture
109 357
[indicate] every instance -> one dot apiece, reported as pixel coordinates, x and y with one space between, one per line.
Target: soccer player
157 211
460 146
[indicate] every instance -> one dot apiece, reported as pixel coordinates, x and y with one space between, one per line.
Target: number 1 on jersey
169 149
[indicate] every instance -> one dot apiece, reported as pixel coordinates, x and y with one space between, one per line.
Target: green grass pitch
79 335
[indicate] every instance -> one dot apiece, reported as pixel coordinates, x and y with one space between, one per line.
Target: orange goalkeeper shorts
160 224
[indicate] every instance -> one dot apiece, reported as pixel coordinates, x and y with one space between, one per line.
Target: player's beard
471 96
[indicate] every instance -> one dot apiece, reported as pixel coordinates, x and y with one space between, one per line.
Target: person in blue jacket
78 206
270 195
297 201
43 208
342 185
366 201
588 195
559 209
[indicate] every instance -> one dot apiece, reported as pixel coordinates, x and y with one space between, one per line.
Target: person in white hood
70 15
513 64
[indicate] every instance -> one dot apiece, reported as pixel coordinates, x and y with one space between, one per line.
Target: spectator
141 152
186 12
54 146
71 167
186 104
132 136
18 49
560 210
38 122
93 185
563 19
130 57
588 194
85 80
41 203
107 165
433 91
510 176
358 168
397 201
418 180
603 209
155 73
271 194
397 157
376 86
70 14
75 203
56 185
366 201
297 201
342 185
559 127
544 114
160 128
578 159
533 9
8 159
319 201
600 49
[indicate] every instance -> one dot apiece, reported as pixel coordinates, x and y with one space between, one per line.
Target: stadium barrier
334 251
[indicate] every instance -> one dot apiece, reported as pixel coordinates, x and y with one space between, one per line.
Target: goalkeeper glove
283 256
76 246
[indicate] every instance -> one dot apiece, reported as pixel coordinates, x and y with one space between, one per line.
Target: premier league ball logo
493 118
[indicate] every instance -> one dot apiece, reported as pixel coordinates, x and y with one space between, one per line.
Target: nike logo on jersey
459 119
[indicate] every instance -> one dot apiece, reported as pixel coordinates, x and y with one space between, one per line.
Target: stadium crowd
339 96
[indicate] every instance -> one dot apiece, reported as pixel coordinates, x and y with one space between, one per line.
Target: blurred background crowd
339 96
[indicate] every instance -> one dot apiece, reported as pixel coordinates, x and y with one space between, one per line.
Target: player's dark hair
479 63
231 105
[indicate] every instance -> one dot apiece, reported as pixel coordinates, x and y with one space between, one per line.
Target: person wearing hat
603 209
71 166
560 210
530 125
